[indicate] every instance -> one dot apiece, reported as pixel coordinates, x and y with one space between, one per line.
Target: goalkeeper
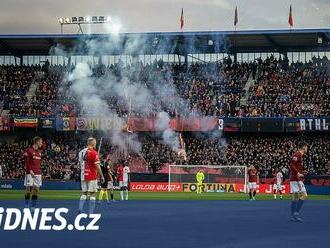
199 179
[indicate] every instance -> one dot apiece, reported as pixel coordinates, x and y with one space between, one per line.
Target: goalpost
217 178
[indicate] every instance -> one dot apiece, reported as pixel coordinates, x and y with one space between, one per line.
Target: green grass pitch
74 195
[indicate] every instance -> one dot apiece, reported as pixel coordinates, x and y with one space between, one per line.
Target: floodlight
79 20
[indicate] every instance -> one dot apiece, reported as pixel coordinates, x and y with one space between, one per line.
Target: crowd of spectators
15 82
58 158
278 88
215 88
301 89
266 152
46 95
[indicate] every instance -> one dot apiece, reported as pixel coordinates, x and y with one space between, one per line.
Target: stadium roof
170 42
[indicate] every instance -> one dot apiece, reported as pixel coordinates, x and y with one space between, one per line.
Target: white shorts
297 187
252 185
35 181
123 184
277 187
110 185
89 186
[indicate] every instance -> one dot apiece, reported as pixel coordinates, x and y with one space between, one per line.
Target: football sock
111 195
122 195
254 193
250 195
82 202
27 199
126 194
293 207
101 195
300 203
92 200
106 195
34 200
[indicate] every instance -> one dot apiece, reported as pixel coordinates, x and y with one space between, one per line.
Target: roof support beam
273 42
325 37
51 42
10 50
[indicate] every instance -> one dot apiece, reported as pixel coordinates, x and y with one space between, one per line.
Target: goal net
217 178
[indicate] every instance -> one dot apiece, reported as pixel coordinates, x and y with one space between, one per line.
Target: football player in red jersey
297 187
90 170
253 180
33 173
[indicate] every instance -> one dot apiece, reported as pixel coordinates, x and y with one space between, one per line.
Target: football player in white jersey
123 178
277 183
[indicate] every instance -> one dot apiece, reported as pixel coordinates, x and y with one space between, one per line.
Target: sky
41 16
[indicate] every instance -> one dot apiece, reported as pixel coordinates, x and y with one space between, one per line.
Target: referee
105 167
200 178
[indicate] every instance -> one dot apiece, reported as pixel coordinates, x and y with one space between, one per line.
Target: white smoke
91 92
169 137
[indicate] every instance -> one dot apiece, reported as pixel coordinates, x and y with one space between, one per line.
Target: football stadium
163 139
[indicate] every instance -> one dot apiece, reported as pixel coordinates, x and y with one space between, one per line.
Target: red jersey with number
253 175
296 166
120 173
32 160
88 159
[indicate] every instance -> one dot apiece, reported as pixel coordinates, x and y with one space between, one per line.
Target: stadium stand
302 89
262 87
265 152
15 82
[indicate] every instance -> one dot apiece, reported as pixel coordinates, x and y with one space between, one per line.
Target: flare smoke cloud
94 91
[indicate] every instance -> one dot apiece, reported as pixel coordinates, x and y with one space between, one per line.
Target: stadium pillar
179 58
285 58
235 58
135 58
186 59
20 60
69 61
285 54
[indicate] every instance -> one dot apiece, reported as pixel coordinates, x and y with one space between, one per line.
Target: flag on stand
290 17
236 18
181 20
65 123
25 122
